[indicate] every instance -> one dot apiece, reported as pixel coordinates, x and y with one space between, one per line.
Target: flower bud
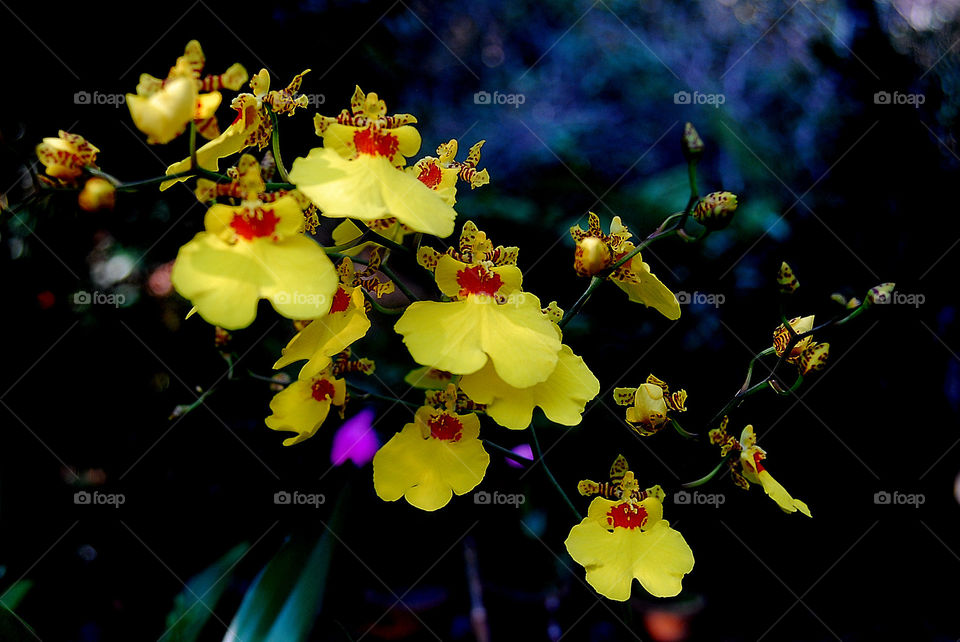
692 143
782 336
715 210
97 194
787 280
649 409
592 256
814 358
881 293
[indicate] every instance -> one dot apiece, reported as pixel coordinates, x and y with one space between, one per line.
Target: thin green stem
506 452
400 284
379 308
275 144
193 146
572 312
553 480
683 433
273 187
376 395
706 478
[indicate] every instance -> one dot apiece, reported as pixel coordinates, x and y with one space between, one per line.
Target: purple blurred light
355 440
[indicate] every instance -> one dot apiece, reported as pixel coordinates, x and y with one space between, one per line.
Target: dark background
851 193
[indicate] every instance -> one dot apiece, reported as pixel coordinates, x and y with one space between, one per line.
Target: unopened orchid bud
692 143
649 409
782 336
97 194
881 294
715 210
814 358
592 256
839 299
787 280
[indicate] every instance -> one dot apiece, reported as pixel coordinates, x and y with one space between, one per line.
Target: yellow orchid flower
251 251
358 171
427 378
65 157
346 322
439 454
747 467
388 228
489 317
442 172
633 277
252 125
621 540
754 471
162 108
562 396
303 406
649 404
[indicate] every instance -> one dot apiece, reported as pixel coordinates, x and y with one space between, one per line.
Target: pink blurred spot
158 283
524 451
355 440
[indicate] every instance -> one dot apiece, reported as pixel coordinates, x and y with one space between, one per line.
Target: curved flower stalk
597 251
304 405
435 456
625 539
162 108
649 404
253 251
488 318
358 173
748 466
252 125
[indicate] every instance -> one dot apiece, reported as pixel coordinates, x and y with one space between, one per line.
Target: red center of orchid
322 390
476 279
756 462
255 225
445 427
627 515
430 175
375 143
341 301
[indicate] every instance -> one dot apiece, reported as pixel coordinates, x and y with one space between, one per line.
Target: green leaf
282 602
11 625
186 620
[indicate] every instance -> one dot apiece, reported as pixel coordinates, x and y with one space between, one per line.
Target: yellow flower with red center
65 157
303 406
437 455
620 540
252 125
358 173
748 466
649 404
597 251
162 108
254 251
489 317
441 173
345 323
562 396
